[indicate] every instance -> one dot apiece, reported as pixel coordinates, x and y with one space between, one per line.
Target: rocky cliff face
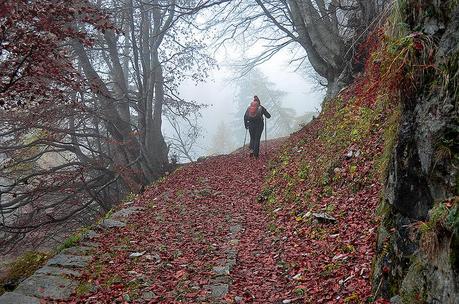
418 241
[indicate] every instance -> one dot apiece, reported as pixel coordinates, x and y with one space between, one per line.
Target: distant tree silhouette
222 140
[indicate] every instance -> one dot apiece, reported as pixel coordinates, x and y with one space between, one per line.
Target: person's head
255 98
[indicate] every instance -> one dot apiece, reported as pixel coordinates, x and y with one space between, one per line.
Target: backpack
254 111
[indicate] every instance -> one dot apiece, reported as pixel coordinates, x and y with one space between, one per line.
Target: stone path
58 279
197 237
221 279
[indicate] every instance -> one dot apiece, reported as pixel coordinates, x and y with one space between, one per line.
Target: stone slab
90 234
221 270
17 298
231 254
231 263
222 280
219 290
109 224
58 271
234 242
47 286
69 261
90 244
235 228
123 213
148 296
78 250
324 218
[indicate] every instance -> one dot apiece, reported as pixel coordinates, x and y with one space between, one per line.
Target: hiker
253 120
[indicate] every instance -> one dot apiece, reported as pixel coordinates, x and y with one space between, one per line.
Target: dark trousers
255 131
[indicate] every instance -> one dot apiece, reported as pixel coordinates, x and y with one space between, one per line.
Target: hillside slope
331 168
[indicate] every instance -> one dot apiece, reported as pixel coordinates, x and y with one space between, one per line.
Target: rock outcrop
418 241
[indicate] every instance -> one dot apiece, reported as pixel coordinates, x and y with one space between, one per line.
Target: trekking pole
245 137
266 138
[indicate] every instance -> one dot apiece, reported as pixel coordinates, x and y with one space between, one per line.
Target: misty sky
219 93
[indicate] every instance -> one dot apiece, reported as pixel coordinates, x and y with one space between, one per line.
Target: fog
219 91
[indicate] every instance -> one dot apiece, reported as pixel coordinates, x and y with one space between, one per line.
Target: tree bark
324 47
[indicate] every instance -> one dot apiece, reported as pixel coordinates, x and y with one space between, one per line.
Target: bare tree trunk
121 84
126 148
323 44
156 144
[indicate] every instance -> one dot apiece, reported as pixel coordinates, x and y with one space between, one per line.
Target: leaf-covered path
202 237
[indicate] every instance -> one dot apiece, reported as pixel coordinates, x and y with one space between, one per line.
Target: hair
255 98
